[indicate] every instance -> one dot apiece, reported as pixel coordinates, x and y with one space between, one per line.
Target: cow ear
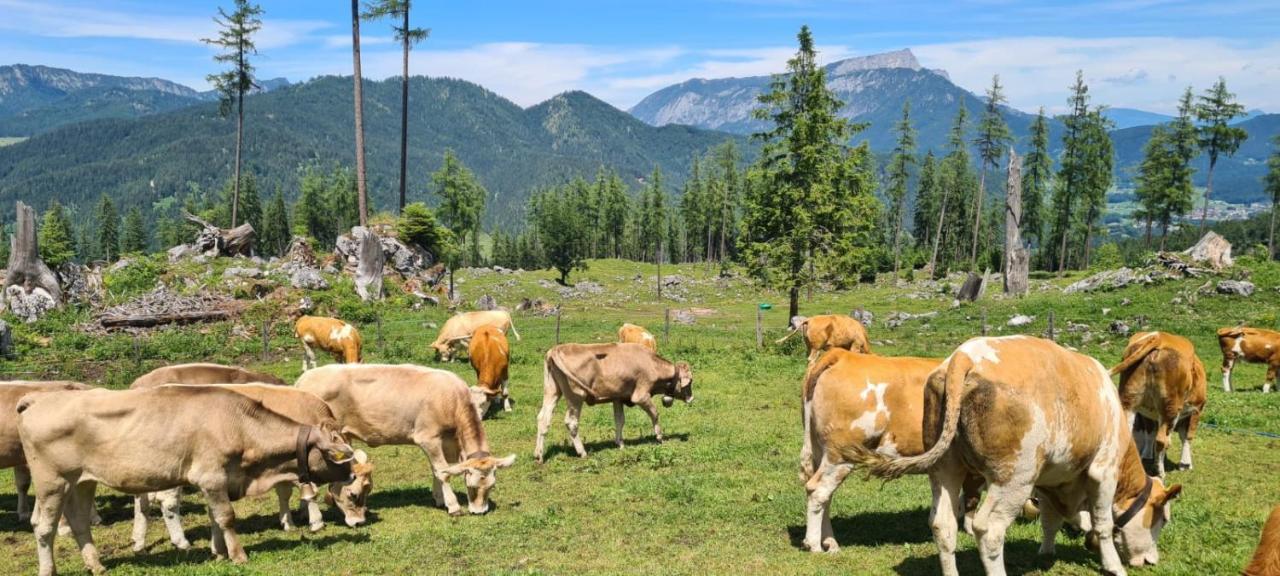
505 462
456 470
1172 493
361 457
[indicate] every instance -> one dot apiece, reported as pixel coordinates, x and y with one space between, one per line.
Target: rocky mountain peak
895 59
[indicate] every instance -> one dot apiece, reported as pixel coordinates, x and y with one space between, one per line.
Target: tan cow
382 404
203 373
490 355
624 374
328 334
1266 560
351 498
11 455
830 331
1030 416
138 441
1253 345
1162 379
458 330
630 333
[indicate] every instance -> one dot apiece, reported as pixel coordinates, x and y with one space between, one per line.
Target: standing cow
490 356
138 441
382 404
458 330
1251 345
630 333
1031 416
829 331
203 373
1162 380
624 374
11 455
328 334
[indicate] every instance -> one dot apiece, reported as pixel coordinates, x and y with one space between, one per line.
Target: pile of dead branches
161 307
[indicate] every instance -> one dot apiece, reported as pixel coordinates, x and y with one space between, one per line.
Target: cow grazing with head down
226 444
1162 380
1253 345
382 404
203 373
328 334
630 333
490 356
623 374
457 330
1266 559
829 331
1031 416
11 455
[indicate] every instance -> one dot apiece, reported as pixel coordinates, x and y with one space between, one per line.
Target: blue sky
1135 53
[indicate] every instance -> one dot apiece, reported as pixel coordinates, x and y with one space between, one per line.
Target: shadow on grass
200 554
875 529
1020 557
566 448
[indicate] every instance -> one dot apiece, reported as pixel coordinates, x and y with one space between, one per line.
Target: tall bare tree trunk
404 112
977 217
359 102
1088 235
1017 259
937 235
1208 190
235 190
1062 251
1146 245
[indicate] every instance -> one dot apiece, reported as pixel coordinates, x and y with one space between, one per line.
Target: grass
722 494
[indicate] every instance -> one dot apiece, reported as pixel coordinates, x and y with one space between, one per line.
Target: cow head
352 498
480 470
798 323
683 386
481 400
1136 540
444 351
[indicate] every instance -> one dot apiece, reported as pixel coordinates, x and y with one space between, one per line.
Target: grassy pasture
722 494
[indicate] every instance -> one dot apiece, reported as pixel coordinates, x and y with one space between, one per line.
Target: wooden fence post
557 324
984 321
1051 335
759 330
266 338
666 327
137 352
378 319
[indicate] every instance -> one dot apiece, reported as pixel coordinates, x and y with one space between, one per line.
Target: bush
1107 258
139 275
417 225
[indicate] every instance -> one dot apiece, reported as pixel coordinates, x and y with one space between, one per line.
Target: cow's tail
807 464
513 330
889 467
1136 354
784 338
1234 331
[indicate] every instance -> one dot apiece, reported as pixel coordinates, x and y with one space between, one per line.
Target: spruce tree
1037 172
729 196
1097 175
926 207
1215 110
462 200
135 238
56 237
992 140
899 180
275 226
235 38
1071 172
108 229
312 213
954 171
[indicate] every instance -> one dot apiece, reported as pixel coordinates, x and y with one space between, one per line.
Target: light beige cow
622 374
1031 417
1251 345
11 455
457 330
381 404
203 373
1163 380
226 444
630 333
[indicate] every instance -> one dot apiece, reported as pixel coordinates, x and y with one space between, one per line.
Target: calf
381 404
458 330
624 374
829 331
1266 560
632 334
203 373
11 455
1251 345
1162 379
490 354
1032 417
226 444
328 334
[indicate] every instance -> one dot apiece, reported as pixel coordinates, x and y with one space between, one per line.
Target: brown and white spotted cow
1266 560
1163 380
490 356
1031 416
329 334
829 331
1253 345
630 333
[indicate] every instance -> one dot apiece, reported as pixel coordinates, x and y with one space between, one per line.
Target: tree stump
370 264
214 241
28 277
1016 257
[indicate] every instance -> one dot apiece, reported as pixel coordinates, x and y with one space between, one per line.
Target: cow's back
858 398
10 393
202 373
489 353
385 404
296 404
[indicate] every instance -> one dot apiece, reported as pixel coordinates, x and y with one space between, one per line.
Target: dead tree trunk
26 270
1016 258
370 264
215 241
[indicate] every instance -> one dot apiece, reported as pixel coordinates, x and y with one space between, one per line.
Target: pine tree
56 238
561 231
135 238
1215 110
1272 182
1099 165
899 177
362 197
275 226
462 200
108 230
407 37
235 38
927 201
1037 172
955 168
1071 172
993 138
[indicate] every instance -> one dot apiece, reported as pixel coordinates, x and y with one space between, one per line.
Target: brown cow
1031 416
630 333
138 441
328 334
1162 380
203 373
11 455
1266 560
624 374
1253 345
381 404
830 331
490 354
458 330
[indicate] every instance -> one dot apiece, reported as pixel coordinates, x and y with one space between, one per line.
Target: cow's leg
1272 369
1162 445
947 481
308 356
1228 360
818 533
572 412
652 410
78 516
315 516
1187 431
619 418
550 396
223 519
971 493
1002 506
440 488
1101 495
506 396
284 491
1050 522
22 483
50 497
141 504
171 511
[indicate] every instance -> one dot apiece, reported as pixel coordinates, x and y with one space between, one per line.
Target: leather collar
304 468
1136 507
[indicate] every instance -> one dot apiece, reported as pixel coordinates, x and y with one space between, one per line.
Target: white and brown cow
203 373
138 441
1253 345
382 404
622 374
1161 379
11 455
457 330
490 356
329 334
1031 416
829 331
630 333
1266 559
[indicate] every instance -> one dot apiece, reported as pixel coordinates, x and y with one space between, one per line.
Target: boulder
1119 328
1236 287
486 302
863 316
300 252
29 306
588 287
1212 249
308 279
1109 280
1020 320
237 272
6 341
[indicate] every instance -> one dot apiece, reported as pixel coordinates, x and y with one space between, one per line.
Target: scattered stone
1109 280
486 302
1126 302
588 287
863 316
1119 328
29 306
1074 327
81 283
6 341
300 252
182 251
308 279
896 319
1106 311
236 272
120 264
1020 320
1236 287
683 317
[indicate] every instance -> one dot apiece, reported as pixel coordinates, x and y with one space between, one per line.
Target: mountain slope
1130 117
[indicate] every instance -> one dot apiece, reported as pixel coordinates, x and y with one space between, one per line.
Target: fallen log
149 320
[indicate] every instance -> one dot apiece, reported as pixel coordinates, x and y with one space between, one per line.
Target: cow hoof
316 527
182 545
831 545
457 512
139 547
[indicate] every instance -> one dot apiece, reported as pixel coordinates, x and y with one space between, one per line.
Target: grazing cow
490 354
139 441
328 334
458 330
1162 379
829 331
631 334
11 455
1253 345
298 405
203 373
624 374
1031 416
1266 560
381 404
